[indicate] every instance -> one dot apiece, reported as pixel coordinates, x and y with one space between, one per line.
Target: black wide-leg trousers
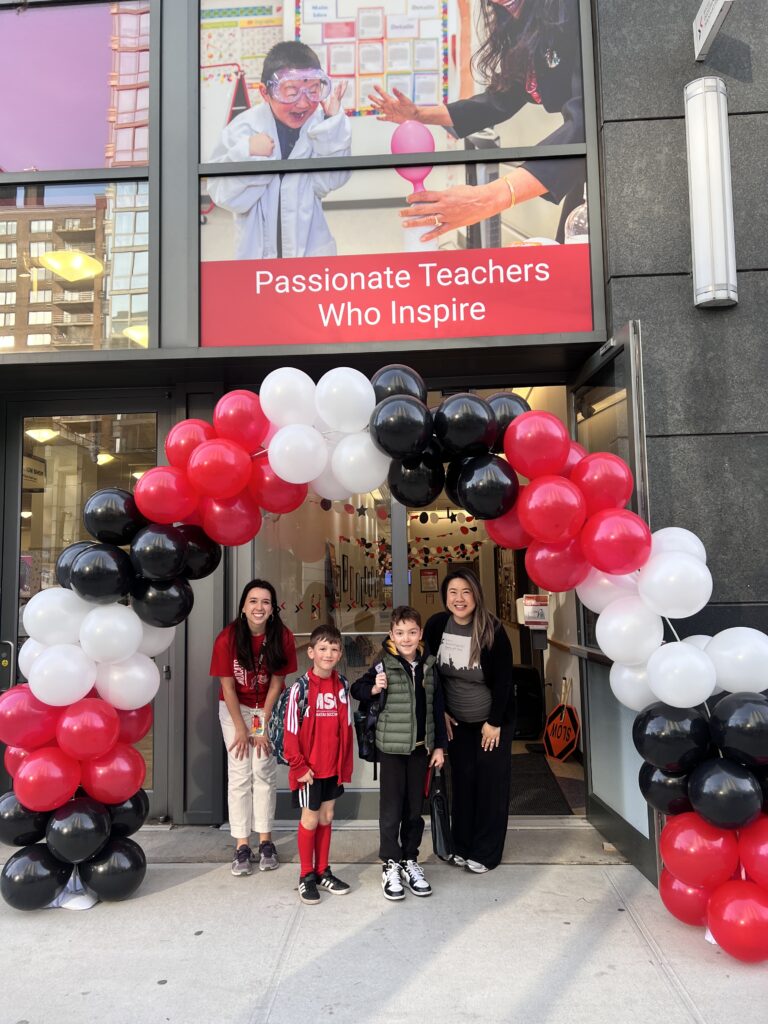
480 783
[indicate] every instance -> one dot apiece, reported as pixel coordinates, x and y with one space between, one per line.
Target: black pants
401 799
479 793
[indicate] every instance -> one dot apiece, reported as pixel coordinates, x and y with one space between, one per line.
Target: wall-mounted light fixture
42 435
713 248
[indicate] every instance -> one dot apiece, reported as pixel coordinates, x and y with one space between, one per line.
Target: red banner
396 296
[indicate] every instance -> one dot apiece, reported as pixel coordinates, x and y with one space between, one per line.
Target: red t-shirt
324 755
250 686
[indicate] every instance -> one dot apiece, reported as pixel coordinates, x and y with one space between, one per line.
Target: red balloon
507 531
576 453
698 853
164 495
24 720
219 468
536 444
688 903
88 728
114 776
239 416
46 779
272 493
753 850
616 541
135 724
605 480
12 758
183 438
551 509
737 916
556 567
231 521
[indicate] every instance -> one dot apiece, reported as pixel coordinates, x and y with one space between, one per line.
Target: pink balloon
576 453
507 531
231 521
164 495
24 720
46 779
616 541
552 509
413 137
219 468
556 567
239 417
88 728
536 443
12 759
183 438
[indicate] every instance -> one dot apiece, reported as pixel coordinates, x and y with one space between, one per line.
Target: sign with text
707 24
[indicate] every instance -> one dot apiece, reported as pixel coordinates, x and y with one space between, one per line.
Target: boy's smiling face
294 112
406 636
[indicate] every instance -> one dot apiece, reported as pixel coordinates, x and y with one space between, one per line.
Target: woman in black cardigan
474 658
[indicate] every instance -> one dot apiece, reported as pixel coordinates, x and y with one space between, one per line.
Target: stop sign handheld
561 733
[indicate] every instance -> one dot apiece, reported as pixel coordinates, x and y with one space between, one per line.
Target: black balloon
117 871
396 379
78 829
203 554
18 825
506 406
452 480
102 573
33 877
130 815
416 481
162 604
739 725
761 774
465 425
401 426
65 560
673 739
664 791
724 793
112 517
487 486
159 552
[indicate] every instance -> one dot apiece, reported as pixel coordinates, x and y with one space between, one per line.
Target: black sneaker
241 862
413 876
331 883
308 889
391 882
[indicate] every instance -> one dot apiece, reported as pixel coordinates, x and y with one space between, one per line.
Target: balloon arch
702 723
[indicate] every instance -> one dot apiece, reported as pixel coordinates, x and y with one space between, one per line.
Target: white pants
251 781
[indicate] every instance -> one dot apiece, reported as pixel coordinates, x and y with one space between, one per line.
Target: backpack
276 725
365 718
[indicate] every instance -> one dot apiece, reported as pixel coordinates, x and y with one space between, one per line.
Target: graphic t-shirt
324 755
467 697
250 685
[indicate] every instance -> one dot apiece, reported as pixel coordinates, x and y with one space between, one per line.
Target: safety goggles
289 86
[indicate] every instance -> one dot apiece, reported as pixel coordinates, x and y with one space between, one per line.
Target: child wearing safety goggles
301 116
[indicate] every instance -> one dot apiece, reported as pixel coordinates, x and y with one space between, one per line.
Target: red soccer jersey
324 754
251 686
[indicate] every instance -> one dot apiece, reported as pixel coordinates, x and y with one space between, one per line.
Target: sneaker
308 889
268 856
413 876
331 883
241 862
458 861
476 866
391 882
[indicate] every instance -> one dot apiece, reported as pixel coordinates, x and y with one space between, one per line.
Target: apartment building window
7 319
40 316
7 250
39 339
41 295
41 226
7 227
6 341
7 298
38 248
7 275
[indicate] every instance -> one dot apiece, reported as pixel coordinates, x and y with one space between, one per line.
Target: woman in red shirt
252 656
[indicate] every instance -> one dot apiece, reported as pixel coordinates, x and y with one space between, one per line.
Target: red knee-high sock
306 849
322 846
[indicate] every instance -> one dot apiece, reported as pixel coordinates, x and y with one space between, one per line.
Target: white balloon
628 631
327 486
156 639
600 588
332 437
287 395
358 464
128 684
297 453
740 655
674 538
111 633
54 616
629 684
28 653
681 675
675 584
62 674
345 399
699 640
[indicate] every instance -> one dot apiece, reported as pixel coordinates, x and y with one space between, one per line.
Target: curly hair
273 650
510 42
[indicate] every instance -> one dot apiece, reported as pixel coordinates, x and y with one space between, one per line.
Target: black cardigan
495 662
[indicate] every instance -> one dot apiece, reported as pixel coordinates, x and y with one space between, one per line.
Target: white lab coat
253 198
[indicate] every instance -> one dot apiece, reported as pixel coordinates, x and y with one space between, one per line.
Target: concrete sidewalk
524 943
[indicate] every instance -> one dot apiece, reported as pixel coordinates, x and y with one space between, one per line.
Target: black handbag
439 814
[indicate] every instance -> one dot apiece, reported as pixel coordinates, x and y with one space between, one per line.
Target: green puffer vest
396 727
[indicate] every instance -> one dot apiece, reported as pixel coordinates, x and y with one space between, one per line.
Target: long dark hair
484 623
273 650
509 43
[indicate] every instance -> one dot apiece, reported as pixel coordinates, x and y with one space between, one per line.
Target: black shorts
312 794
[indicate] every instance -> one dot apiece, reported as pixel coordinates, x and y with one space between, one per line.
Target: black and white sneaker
413 876
241 862
331 883
308 889
391 882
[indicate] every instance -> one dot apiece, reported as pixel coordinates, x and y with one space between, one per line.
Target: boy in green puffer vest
410 737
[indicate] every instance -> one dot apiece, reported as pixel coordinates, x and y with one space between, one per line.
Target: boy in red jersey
318 749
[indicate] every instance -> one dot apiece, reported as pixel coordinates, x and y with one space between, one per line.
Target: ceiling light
71 264
138 474
138 333
26 515
42 435
103 458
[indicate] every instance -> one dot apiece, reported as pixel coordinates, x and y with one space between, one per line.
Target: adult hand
455 207
262 745
309 777
396 108
449 723
380 682
242 743
438 758
332 105
490 737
